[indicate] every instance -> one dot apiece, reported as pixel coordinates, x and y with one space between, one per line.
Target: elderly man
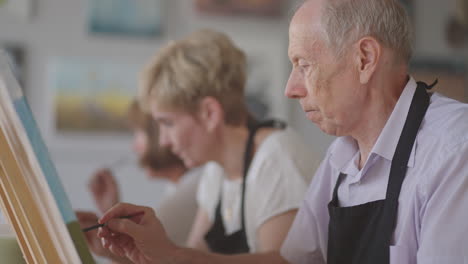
393 186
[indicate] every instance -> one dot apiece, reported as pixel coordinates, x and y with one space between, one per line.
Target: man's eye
304 68
302 63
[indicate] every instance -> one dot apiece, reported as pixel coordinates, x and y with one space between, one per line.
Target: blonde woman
194 89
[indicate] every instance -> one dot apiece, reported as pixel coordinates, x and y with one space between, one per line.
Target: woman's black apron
362 234
216 237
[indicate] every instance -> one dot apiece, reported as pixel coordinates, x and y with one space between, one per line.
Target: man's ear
369 52
210 113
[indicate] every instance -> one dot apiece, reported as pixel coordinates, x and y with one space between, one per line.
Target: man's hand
87 219
104 189
141 239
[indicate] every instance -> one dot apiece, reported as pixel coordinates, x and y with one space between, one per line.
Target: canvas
92 96
19 10
125 17
31 194
241 7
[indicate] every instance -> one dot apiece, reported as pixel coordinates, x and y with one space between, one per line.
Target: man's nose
295 88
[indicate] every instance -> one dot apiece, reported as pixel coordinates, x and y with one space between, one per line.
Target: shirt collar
342 153
387 141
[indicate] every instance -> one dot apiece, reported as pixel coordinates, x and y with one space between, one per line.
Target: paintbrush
102 225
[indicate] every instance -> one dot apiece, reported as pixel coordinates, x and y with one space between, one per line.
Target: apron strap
252 125
335 201
418 108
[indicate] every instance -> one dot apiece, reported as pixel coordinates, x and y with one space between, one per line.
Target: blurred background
78 62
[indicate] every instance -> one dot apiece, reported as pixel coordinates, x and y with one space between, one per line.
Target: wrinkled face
184 135
326 86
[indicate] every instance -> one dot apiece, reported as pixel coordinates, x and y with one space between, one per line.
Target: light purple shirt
432 221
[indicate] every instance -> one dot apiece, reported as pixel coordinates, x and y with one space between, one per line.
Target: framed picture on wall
16 9
451 75
241 7
125 17
91 97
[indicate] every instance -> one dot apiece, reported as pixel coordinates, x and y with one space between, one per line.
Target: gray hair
346 21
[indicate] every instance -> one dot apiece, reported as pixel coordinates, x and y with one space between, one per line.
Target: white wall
58 29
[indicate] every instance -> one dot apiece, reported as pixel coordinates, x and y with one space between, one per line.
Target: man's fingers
105 242
125 226
116 249
124 209
103 232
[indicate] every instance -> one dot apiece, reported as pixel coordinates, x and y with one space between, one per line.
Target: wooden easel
25 193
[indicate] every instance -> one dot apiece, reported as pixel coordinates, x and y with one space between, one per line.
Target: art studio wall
58 32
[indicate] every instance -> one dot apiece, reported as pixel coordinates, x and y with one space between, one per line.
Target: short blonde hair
206 63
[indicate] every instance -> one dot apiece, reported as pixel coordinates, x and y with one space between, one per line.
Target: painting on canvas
18 10
125 17
92 96
241 7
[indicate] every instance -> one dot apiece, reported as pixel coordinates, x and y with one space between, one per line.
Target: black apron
362 234
216 237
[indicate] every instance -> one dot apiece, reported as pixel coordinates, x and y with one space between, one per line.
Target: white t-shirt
277 180
179 206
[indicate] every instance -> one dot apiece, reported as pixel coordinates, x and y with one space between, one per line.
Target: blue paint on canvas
42 154
128 17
